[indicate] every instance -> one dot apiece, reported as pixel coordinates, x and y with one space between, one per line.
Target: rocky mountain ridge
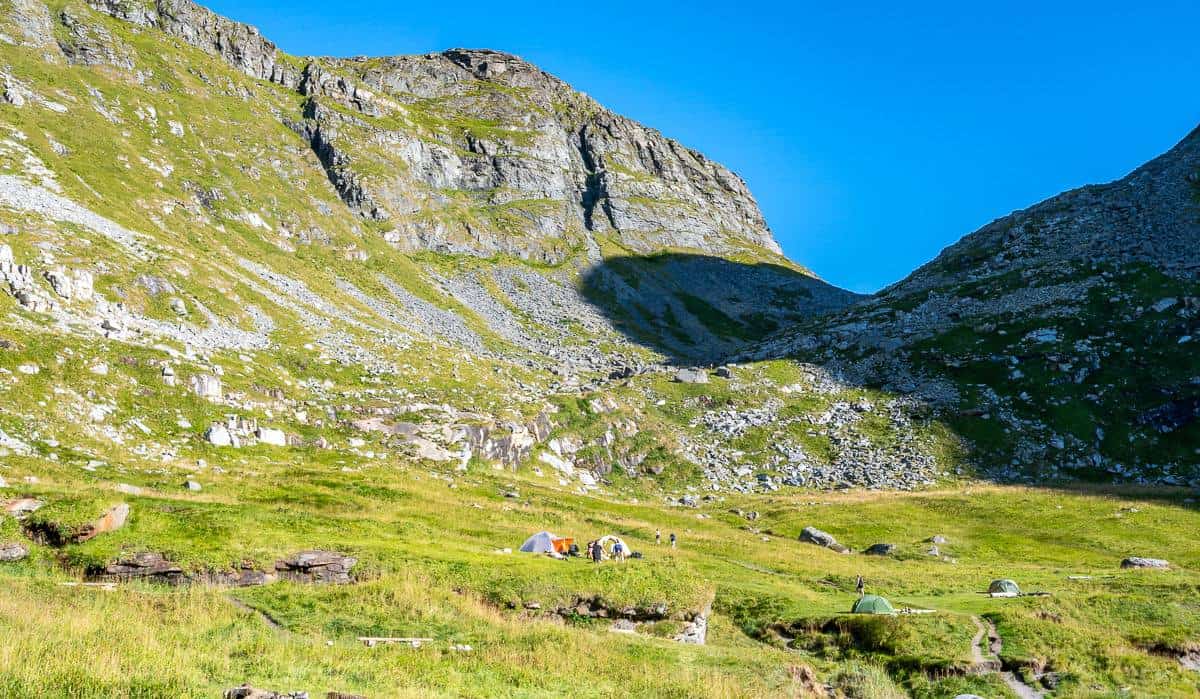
536 171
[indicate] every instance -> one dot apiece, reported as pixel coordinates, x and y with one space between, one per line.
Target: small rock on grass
11 553
1139 562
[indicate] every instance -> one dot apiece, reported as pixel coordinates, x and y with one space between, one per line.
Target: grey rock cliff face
479 152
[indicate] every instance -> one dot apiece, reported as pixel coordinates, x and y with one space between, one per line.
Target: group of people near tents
608 547
611 547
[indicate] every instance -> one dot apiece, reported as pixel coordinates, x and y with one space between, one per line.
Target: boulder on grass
691 376
1139 562
812 535
273 437
22 507
145 565
11 553
880 549
317 567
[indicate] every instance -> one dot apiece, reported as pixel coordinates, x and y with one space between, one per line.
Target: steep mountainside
269 240
477 152
1059 339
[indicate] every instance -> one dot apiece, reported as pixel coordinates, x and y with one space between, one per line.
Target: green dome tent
872 604
1003 587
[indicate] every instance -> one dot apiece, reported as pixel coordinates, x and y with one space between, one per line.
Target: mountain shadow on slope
701 309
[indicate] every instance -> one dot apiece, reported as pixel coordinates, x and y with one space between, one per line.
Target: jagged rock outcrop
239 44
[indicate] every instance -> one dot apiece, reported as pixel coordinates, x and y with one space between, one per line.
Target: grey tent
542 542
1004 587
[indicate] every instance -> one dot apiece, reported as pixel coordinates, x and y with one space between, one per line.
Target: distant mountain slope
1060 339
1152 215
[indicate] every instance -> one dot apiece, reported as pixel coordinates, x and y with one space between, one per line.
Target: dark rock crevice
316 132
595 189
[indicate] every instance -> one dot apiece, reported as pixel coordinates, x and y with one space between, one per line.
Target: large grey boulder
145 565
316 567
812 535
691 376
22 507
271 436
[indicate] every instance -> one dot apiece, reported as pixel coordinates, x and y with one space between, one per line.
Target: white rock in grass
10 553
267 435
206 386
218 436
1139 562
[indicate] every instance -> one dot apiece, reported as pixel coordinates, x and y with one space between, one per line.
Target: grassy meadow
432 564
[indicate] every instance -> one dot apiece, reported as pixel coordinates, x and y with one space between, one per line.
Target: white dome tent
607 542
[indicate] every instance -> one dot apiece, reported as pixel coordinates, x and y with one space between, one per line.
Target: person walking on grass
597 552
672 539
658 536
860 586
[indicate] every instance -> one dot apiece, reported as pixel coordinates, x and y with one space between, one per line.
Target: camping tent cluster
559 546
874 604
545 542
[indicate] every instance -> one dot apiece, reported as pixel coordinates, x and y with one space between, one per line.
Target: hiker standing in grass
658 536
860 585
672 539
597 552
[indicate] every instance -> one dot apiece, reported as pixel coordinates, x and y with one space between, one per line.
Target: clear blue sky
872 136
